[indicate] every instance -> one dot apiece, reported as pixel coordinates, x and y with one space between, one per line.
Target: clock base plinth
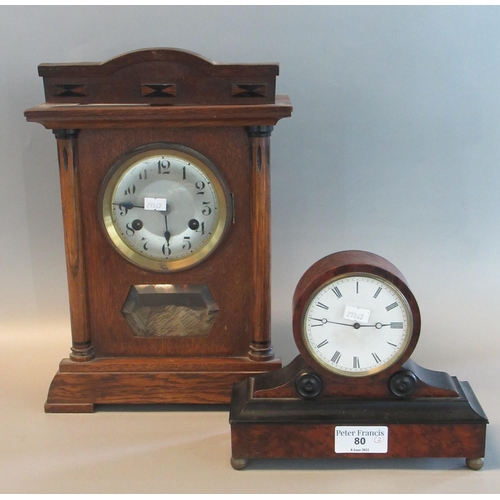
78 386
267 425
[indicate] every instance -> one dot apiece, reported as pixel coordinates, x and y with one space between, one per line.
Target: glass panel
170 310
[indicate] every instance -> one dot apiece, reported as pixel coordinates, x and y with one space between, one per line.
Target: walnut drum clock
353 391
165 186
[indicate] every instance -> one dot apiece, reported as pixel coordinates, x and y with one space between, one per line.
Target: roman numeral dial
357 325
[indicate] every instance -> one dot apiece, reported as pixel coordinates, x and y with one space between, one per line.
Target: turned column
67 140
260 347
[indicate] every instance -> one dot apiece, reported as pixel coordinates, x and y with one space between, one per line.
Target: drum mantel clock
164 171
353 391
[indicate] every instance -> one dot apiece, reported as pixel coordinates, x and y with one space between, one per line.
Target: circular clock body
165 207
354 316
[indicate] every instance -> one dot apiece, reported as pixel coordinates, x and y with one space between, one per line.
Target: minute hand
324 320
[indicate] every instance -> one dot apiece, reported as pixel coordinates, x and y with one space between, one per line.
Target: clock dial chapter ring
165 207
356 325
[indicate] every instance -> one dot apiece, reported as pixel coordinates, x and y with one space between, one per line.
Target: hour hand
376 325
127 205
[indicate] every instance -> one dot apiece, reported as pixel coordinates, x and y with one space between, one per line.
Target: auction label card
361 439
155 204
357 314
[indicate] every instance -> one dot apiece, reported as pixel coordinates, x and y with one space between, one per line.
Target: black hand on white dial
324 321
376 325
354 325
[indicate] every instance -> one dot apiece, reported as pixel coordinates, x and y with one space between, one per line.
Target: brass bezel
378 369
200 162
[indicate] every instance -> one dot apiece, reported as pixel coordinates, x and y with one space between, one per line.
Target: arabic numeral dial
166 209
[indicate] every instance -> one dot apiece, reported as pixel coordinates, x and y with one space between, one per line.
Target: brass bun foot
239 463
474 463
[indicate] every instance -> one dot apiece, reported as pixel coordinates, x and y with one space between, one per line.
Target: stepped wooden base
317 441
273 426
78 386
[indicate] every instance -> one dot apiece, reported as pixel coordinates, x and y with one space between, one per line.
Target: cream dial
357 325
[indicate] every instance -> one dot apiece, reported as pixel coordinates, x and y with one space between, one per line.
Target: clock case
99 113
293 412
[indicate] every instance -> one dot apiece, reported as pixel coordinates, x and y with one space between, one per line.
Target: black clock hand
127 205
354 325
324 321
376 325
167 232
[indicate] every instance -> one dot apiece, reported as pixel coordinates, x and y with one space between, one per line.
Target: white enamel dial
165 209
357 325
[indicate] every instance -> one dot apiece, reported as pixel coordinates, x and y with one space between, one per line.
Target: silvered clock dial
165 207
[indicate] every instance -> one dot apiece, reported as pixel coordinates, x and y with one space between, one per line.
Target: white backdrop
393 147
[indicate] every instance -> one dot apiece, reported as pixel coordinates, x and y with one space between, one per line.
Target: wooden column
260 347
81 349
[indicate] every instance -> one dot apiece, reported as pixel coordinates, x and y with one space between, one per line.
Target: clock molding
306 408
99 113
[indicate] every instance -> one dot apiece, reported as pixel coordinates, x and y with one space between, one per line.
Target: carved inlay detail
70 90
158 90
244 90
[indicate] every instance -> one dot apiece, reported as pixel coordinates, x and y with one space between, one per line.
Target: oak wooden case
99 113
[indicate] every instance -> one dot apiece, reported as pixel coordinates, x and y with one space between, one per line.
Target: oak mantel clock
353 391
164 171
